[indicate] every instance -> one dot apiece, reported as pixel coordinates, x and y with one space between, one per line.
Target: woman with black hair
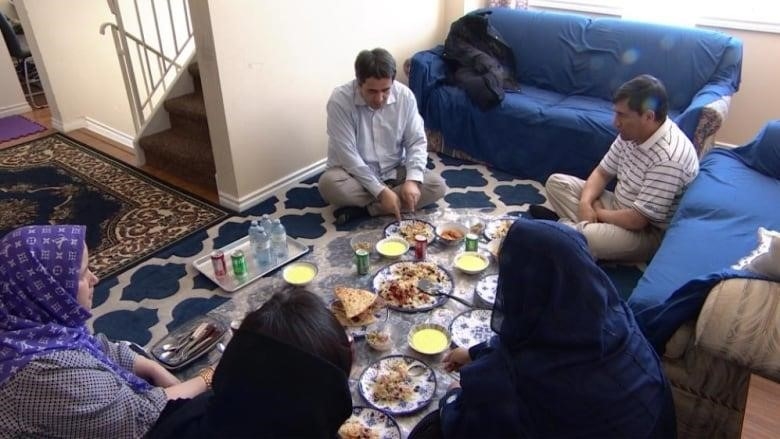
284 374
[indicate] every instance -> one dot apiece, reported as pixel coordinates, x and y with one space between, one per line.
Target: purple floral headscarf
39 312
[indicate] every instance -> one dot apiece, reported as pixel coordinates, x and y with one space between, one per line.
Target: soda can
218 262
472 242
238 260
361 260
420 247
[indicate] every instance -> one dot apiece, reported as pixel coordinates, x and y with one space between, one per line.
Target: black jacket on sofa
483 63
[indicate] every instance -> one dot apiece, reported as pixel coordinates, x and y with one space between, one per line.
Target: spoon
416 370
425 286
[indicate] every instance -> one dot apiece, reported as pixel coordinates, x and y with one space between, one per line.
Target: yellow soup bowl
471 262
299 273
429 338
392 247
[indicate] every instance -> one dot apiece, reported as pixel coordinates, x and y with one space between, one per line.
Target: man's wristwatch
207 373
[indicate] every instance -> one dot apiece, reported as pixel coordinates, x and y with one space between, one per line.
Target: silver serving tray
183 331
230 282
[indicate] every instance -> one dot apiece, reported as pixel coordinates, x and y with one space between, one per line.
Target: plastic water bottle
279 240
264 256
265 222
253 228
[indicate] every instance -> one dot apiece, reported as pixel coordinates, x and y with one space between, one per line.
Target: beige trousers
606 241
339 188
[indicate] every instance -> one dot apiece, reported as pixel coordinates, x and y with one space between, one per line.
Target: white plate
498 228
471 327
378 421
396 227
486 288
390 273
424 386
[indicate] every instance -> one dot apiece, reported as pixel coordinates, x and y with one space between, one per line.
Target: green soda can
472 242
238 260
361 261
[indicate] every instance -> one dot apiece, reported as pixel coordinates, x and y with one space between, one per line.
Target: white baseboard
123 139
260 195
12 110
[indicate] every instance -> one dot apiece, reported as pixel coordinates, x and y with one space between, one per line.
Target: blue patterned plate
418 389
408 227
498 228
486 288
380 423
471 327
397 285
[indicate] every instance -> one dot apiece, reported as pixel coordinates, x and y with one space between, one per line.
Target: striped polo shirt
652 176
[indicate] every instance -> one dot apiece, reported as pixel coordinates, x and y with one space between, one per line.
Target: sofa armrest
740 321
710 121
427 70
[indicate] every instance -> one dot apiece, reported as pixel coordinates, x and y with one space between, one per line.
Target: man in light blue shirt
377 149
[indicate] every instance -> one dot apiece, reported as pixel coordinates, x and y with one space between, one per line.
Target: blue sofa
716 324
568 67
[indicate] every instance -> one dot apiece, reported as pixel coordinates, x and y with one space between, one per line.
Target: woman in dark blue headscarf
569 359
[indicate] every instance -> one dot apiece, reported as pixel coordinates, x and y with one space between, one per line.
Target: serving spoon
425 286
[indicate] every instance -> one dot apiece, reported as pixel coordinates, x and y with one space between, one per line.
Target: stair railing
152 59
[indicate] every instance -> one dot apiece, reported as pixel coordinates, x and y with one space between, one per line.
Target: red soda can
218 262
420 247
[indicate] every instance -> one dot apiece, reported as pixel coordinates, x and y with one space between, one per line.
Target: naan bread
365 318
354 300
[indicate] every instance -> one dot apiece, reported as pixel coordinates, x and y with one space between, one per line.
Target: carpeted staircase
184 150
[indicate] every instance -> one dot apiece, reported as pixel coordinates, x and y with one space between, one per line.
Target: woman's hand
455 359
153 372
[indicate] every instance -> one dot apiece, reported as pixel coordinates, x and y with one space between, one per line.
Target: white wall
273 65
11 96
80 69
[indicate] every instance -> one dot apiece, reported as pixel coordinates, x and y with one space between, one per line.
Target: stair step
186 157
192 106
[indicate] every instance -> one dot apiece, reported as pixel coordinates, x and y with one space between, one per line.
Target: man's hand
390 202
410 195
587 212
455 359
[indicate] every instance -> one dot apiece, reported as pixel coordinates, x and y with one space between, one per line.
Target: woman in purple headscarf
56 379
568 361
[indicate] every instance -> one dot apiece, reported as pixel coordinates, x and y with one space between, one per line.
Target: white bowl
392 247
448 228
365 240
471 262
299 273
435 340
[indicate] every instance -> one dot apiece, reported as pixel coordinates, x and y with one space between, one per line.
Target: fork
425 286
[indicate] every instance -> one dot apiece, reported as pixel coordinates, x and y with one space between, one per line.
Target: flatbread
365 318
354 300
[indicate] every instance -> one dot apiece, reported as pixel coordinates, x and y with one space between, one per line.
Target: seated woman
569 359
56 379
284 374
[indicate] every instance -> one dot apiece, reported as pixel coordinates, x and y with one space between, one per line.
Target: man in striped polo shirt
653 162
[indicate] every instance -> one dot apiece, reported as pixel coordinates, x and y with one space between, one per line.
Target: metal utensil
430 288
182 350
416 370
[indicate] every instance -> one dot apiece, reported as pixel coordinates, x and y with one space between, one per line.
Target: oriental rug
144 303
14 127
129 215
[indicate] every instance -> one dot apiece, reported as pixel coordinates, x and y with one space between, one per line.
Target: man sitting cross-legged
653 162
377 150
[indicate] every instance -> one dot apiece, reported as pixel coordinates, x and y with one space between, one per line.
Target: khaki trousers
339 188
606 241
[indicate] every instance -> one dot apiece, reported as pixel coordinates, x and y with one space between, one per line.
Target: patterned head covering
39 313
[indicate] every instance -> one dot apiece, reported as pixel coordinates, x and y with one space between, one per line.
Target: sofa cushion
738 321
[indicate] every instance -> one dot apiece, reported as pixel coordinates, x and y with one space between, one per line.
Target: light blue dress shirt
370 144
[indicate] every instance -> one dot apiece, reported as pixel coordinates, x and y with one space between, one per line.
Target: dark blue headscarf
568 346
39 313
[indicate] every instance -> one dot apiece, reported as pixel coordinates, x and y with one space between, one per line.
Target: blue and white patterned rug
145 302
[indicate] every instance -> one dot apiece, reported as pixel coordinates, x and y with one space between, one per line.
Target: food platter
498 228
380 424
486 289
398 384
471 327
397 284
408 228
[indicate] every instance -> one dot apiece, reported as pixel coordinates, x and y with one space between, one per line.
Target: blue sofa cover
736 192
568 67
